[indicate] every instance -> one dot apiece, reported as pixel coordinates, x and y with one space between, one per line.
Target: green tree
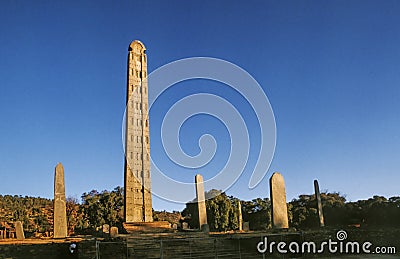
102 208
303 212
258 213
219 210
334 209
222 212
74 215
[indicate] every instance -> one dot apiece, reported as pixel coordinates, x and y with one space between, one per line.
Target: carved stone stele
137 183
319 204
19 230
201 203
60 209
278 201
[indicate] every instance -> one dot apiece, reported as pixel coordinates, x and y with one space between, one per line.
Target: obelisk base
147 227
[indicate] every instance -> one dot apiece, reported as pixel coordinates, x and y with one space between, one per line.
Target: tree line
106 207
222 212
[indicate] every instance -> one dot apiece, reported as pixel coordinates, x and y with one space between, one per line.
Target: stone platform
147 227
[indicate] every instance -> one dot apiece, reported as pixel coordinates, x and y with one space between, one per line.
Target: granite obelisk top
60 210
278 201
201 203
319 204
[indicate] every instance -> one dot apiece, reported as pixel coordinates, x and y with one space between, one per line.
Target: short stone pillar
319 204
201 204
19 230
113 232
246 226
60 209
240 219
185 225
106 229
278 201
205 228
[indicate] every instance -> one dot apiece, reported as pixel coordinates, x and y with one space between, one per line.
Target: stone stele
278 201
60 211
201 204
19 230
113 232
138 211
246 226
185 225
319 204
137 180
240 218
106 229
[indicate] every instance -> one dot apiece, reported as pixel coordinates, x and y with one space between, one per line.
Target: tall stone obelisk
137 184
279 213
201 201
60 209
240 217
319 204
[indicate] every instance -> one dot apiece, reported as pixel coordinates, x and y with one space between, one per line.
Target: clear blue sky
331 70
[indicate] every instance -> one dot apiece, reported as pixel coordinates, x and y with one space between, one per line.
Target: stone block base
147 227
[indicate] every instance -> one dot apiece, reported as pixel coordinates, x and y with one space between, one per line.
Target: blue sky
330 70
